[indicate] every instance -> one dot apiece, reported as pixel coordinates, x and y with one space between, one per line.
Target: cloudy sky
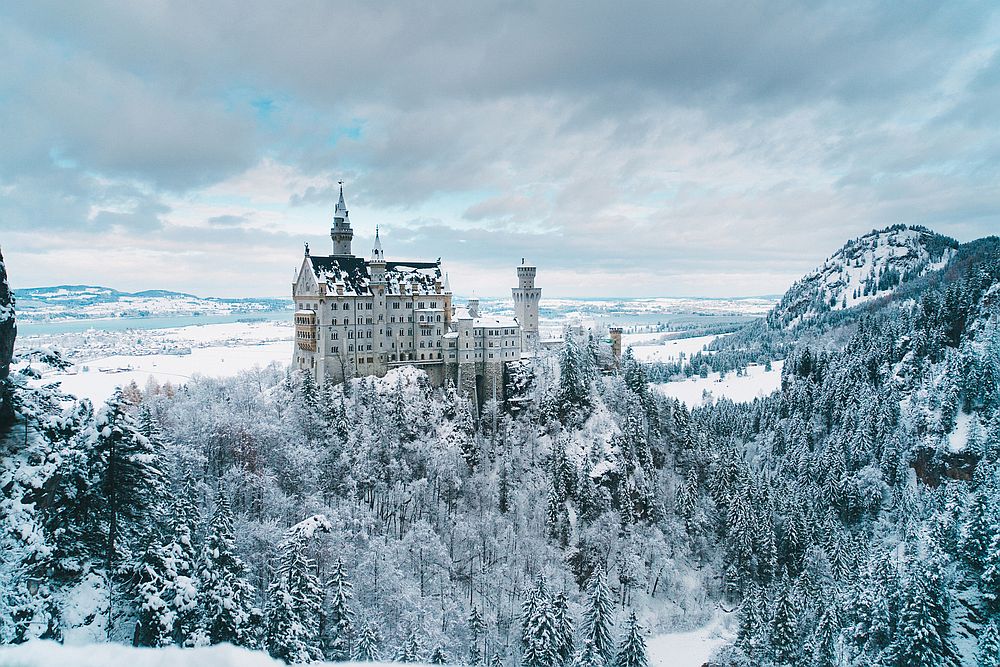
628 149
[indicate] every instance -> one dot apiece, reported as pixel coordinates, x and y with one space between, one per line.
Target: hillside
91 301
863 270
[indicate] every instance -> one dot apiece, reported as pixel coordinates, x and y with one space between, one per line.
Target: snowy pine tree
339 617
225 596
598 620
295 598
368 647
632 649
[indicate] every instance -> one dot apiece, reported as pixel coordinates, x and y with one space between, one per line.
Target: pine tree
823 643
976 532
339 616
410 650
589 656
225 597
598 620
632 649
155 625
503 488
295 598
990 579
924 626
439 656
368 646
167 587
126 467
564 630
784 626
541 643
476 629
988 650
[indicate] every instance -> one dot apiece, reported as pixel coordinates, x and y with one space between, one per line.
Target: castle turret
377 264
526 299
341 232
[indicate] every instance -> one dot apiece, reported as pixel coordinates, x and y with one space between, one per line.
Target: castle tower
341 232
377 264
526 299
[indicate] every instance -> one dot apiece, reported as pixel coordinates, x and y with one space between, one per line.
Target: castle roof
401 277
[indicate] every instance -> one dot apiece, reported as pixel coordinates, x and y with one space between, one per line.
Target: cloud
712 144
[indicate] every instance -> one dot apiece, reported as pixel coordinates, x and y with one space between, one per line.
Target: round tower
341 232
526 299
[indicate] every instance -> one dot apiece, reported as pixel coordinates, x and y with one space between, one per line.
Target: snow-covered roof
401 277
494 321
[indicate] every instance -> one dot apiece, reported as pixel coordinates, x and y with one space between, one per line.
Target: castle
357 316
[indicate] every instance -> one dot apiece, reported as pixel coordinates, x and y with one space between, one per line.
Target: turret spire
341 232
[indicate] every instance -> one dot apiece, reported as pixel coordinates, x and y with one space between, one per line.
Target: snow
688 649
52 654
741 389
669 350
958 439
98 379
104 360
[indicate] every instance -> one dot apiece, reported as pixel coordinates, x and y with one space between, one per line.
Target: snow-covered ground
696 390
106 360
688 649
677 649
51 654
669 350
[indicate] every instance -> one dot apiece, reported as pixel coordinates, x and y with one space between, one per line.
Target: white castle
357 316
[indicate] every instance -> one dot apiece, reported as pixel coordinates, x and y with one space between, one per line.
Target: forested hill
863 270
848 519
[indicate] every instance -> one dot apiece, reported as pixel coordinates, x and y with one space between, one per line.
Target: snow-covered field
688 649
171 355
669 350
695 391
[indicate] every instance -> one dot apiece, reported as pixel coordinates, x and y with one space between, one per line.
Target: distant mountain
93 301
865 269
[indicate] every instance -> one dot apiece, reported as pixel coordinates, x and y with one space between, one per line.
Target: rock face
8 332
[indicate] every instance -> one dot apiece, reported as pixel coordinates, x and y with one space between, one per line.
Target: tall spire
341 232
377 254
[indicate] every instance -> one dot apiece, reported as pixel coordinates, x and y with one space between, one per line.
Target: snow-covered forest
850 518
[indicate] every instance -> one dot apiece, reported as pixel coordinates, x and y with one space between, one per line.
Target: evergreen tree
295 598
564 630
632 649
225 596
129 478
438 656
476 629
589 656
339 620
785 626
924 626
155 625
598 620
368 646
976 532
988 650
990 579
410 650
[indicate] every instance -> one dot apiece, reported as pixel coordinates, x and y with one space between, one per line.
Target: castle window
434 304
336 349
347 306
